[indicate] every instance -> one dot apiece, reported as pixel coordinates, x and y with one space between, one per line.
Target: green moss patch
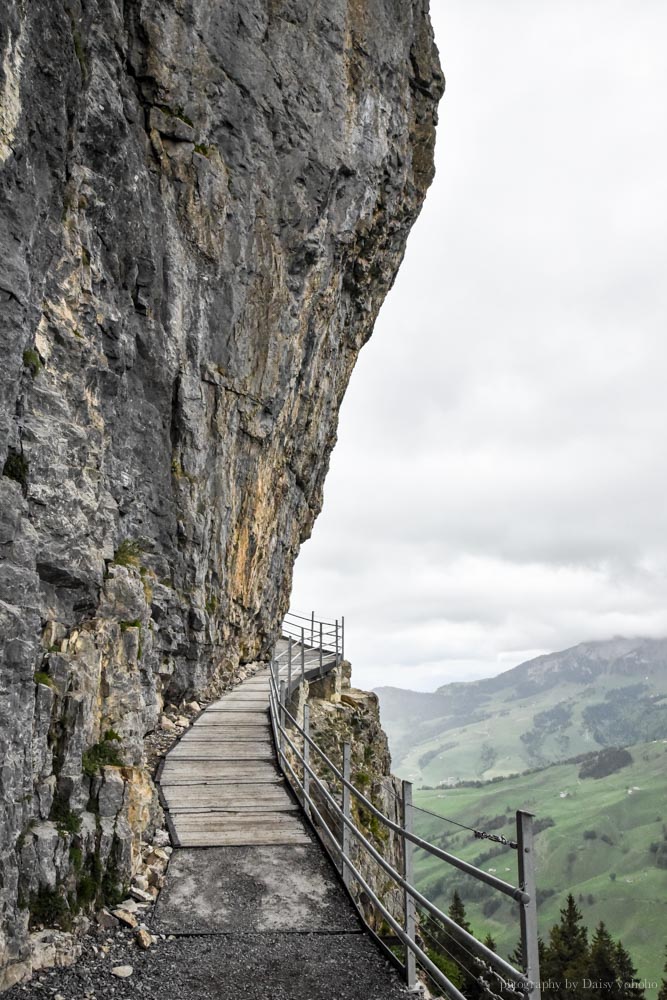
102 754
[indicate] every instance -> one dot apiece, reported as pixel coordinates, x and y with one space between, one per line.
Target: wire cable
479 834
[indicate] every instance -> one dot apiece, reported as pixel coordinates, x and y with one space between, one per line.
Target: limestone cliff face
342 714
203 205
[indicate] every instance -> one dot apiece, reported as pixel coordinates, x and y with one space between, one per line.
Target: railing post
306 760
289 666
336 642
342 638
320 649
408 875
312 629
345 837
528 911
303 655
283 698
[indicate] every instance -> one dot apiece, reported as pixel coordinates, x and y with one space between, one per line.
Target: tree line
573 962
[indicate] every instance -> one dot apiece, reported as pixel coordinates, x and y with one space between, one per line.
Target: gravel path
227 967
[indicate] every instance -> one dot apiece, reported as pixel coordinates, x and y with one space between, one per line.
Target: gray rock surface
202 207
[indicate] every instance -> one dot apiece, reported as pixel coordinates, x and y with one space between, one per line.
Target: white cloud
498 486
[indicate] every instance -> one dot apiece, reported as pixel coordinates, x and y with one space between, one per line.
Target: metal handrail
457 930
496 883
527 982
317 634
430 966
309 618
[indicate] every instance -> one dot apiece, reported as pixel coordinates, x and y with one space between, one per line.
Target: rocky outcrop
203 206
341 714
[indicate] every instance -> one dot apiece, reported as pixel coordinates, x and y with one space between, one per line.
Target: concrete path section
232 889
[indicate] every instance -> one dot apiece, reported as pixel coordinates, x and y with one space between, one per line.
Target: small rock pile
143 893
174 720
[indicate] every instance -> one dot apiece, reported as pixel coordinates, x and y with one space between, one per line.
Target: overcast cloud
498 489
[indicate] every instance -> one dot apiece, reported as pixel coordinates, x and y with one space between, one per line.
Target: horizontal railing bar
327 641
456 930
296 629
496 883
318 621
307 630
286 634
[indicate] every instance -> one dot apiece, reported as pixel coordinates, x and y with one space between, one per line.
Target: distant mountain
608 693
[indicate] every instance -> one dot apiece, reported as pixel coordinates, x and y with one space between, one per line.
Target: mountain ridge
596 693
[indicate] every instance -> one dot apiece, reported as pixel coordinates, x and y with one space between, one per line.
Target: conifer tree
626 974
490 943
602 964
436 945
457 911
470 987
566 954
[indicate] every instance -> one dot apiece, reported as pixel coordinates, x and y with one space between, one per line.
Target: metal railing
327 636
316 798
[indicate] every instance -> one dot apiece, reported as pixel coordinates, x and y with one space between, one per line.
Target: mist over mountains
595 694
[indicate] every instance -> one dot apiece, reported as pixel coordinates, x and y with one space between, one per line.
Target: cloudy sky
499 488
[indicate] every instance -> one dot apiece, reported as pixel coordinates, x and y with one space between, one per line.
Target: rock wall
203 206
342 714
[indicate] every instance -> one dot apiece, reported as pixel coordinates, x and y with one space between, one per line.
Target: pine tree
602 964
457 911
490 943
517 960
566 954
626 974
470 987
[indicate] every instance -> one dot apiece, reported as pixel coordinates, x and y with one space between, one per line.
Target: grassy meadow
595 842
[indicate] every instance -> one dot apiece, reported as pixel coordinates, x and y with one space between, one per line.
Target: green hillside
548 709
604 839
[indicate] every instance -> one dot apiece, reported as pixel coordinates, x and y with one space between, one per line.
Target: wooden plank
237 706
238 696
224 752
237 820
262 746
203 770
223 795
236 809
216 719
254 694
262 741
226 735
256 838
255 727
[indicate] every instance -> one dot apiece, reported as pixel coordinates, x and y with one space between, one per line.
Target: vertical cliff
203 206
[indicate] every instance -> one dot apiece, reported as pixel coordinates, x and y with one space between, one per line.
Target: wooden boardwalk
220 782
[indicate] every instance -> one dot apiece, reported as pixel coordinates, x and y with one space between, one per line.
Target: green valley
596 694
603 839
